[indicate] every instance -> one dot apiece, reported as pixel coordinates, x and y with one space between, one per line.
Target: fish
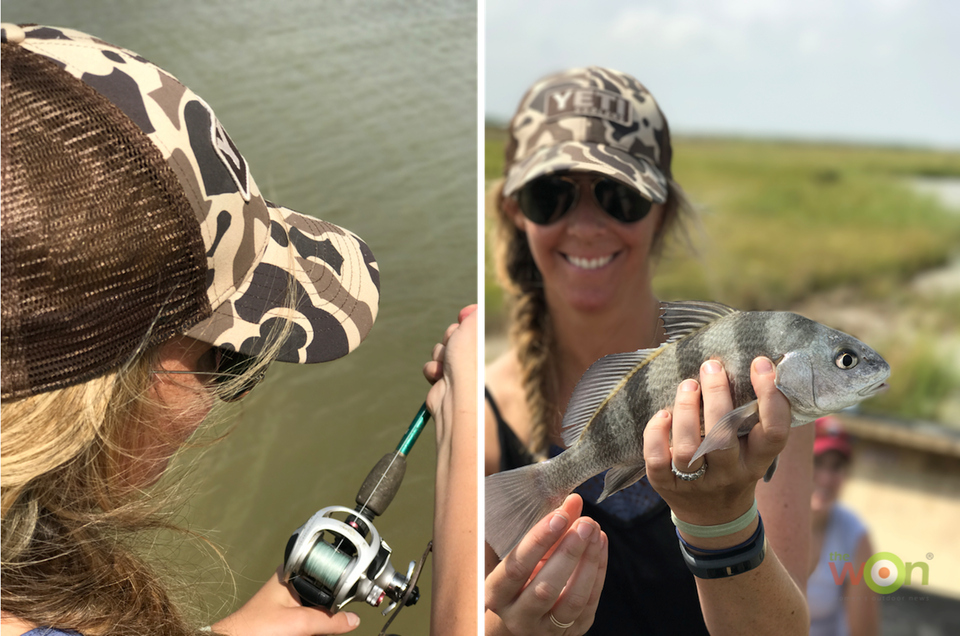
818 369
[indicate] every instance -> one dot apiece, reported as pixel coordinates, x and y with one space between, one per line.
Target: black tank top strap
513 454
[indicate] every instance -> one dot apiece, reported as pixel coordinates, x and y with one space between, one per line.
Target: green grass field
780 222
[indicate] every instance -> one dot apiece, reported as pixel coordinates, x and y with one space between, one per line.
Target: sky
871 71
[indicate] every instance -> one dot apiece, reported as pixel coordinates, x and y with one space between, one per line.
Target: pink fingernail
711 366
352 619
557 523
663 413
689 385
585 529
763 366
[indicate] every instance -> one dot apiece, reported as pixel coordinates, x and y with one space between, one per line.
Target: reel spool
331 562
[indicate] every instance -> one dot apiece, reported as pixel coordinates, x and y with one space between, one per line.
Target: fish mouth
873 389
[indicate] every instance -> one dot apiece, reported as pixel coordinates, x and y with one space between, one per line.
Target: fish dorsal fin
596 386
683 318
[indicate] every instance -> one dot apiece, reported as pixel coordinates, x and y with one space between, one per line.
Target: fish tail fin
515 501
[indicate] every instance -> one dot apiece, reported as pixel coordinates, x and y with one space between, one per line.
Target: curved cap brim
580 156
320 277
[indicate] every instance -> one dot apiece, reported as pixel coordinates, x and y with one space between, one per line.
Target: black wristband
727 563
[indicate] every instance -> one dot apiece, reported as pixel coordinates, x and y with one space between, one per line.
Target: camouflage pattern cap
590 120
255 262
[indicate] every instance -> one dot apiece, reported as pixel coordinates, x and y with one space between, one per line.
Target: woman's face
590 261
829 473
176 406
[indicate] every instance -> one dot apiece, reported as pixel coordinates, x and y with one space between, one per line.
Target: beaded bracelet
719 564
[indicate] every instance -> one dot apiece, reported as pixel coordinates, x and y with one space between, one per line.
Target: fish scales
613 438
618 395
660 378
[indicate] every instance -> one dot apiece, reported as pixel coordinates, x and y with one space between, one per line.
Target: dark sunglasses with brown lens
229 365
546 199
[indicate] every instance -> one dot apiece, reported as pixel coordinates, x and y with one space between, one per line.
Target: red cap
830 436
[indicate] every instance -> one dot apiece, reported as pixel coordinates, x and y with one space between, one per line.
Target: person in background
146 281
837 610
585 208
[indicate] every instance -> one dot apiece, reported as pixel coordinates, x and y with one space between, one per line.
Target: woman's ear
512 209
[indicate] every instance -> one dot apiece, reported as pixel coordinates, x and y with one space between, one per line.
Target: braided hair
531 326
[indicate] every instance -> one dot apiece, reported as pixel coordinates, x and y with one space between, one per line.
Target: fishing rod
338 556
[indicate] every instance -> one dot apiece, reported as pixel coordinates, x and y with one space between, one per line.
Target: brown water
364 114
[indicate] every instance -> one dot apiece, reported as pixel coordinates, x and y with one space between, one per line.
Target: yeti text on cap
587 102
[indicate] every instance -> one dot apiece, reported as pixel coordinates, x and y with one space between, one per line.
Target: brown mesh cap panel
101 251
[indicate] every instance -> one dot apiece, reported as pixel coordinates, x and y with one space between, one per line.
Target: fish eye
847 359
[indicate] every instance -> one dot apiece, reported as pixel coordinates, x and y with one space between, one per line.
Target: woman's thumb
323 623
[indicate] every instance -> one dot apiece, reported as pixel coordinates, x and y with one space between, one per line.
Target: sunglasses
229 365
546 199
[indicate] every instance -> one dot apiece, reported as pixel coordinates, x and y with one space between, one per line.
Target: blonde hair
531 328
71 520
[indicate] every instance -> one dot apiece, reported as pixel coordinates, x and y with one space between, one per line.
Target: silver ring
553 619
689 476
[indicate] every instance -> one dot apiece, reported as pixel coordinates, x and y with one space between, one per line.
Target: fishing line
363 506
383 475
403 449
354 564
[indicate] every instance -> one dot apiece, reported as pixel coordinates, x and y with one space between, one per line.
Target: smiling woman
587 201
587 257
586 245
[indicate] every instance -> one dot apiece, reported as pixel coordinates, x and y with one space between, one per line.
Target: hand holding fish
551 583
726 488
818 369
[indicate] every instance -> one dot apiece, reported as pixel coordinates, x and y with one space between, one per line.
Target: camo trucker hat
129 216
593 120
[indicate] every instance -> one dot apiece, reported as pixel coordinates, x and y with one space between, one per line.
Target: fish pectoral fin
683 318
601 380
724 433
767 476
619 477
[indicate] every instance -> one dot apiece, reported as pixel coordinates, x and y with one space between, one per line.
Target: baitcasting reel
338 556
331 562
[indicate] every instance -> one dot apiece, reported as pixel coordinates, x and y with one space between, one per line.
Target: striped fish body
604 421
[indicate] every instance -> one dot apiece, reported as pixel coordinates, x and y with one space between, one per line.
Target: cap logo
588 102
235 163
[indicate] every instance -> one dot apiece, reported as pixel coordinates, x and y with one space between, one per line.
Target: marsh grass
923 377
783 220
